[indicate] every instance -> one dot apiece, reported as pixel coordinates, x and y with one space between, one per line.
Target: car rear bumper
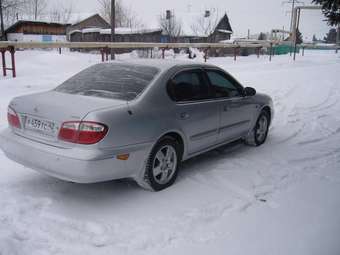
64 164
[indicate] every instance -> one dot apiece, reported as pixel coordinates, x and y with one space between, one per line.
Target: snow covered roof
90 30
118 31
127 30
19 23
46 18
224 31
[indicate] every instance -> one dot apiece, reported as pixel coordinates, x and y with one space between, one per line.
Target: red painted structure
3 57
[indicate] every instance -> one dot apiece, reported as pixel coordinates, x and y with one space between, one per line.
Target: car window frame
229 77
204 79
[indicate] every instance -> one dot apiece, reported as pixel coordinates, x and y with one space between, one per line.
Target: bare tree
35 8
206 23
61 13
171 26
2 28
125 17
11 10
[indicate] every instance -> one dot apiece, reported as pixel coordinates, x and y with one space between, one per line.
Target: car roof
163 64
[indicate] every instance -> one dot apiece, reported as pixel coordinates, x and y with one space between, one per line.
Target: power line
293 3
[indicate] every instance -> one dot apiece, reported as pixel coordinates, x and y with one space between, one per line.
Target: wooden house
93 22
121 35
223 30
37 31
96 29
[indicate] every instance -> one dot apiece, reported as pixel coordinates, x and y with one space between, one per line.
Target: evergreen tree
331 36
262 36
315 39
299 38
331 9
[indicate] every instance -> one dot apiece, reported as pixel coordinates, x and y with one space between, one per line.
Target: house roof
224 25
28 22
91 17
118 31
127 30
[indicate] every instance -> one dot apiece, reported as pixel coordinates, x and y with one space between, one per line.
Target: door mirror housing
248 91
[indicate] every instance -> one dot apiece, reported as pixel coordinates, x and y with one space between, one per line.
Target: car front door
196 113
236 110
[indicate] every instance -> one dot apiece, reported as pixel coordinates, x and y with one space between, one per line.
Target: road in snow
281 198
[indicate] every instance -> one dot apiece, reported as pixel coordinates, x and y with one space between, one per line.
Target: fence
106 48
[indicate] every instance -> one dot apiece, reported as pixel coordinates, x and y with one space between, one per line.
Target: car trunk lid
42 114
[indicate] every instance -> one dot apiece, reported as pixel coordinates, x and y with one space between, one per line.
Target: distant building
36 31
96 29
93 22
223 30
198 27
121 35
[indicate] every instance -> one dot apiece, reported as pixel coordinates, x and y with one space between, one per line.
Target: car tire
161 168
259 134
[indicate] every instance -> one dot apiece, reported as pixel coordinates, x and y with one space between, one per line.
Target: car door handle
225 108
185 115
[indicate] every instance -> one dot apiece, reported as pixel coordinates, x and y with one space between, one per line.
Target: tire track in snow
27 225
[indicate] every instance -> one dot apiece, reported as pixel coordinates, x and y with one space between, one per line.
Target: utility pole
3 35
113 26
35 9
291 16
293 3
168 18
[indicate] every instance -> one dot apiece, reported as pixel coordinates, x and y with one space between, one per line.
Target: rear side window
116 81
188 86
223 85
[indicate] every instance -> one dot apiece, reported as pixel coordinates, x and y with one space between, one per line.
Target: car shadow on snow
122 193
201 163
208 161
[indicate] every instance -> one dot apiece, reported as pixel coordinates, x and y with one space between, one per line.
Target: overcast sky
256 15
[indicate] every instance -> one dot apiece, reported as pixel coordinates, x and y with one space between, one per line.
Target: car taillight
13 118
82 132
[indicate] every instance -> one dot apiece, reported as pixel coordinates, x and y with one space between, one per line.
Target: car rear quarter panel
141 121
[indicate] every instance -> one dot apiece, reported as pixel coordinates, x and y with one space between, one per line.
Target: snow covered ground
281 198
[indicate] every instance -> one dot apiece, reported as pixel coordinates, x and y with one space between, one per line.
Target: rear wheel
162 164
259 134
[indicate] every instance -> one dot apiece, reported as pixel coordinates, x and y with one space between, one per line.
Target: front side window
223 86
188 86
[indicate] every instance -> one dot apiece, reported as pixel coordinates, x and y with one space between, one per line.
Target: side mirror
248 91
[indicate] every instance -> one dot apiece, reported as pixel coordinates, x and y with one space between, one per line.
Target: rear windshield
116 81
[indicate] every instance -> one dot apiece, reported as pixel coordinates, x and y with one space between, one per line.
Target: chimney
168 14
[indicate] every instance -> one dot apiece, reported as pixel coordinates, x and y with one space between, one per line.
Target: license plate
39 125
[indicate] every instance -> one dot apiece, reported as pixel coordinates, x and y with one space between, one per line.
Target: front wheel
259 134
162 165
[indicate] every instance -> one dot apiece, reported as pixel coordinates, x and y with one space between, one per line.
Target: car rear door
236 110
196 113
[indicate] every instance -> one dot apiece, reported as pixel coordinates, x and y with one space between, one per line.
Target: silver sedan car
137 119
